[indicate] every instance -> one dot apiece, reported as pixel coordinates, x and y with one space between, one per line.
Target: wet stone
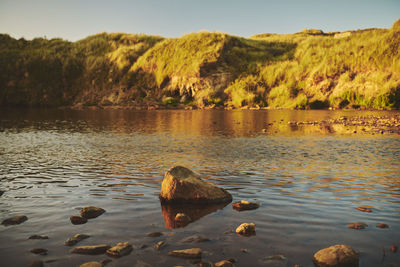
364 209
194 239
336 256
91 212
275 261
91 250
182 218
357 225
14 220
159 245
40 251
154 234
38 237
75 239
245 205
224 263
91 264
382 225
191 253
246 229
77 220
121 249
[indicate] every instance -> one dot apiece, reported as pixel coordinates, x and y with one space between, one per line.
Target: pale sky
76 19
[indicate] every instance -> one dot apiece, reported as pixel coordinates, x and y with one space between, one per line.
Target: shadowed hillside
309 69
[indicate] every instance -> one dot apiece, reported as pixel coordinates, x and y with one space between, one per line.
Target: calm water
308 181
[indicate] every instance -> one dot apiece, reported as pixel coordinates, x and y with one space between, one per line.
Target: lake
309 182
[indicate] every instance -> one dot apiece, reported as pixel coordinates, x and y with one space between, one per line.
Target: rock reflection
194 211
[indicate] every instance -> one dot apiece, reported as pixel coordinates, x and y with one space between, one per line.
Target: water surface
308 181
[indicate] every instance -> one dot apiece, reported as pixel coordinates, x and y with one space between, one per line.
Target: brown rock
77 220
191 253
91 212
91 250
382 225
223 263
38 237
181 220
159 245
364 209
121 249
244 205
154 234
194 239
336 256
91 264
357 225
40 251
182 185
246 229
14 220
75 239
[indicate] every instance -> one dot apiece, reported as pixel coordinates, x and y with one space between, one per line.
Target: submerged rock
121 249
154 234
91 264
364 209
246 229
382 225
194 239
14 220
38 237
91 212
91 250
77 220
75 239
40 251
275 261
182 185
245 205
336 256
191 253
357 225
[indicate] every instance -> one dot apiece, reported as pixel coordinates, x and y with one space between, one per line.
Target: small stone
75 239
182 218
191 253
224 263
159 245
91 212
14 220
246 229
77 220
336 256
364 209
40 251
91 264
382 225
38 237
121 249
393 248
194 239
37 263
91 250
154 234
245 205
357 225
244 250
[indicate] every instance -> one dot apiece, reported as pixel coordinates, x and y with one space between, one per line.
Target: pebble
364 209
159 245
121 249
77 220
182 219
75 239
154 234
245 205
91 212
91 264
357 225
40 251
14 220
191 253
38 237
223 263
382 225
91 250
246 229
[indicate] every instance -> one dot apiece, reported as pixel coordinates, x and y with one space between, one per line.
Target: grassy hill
309 69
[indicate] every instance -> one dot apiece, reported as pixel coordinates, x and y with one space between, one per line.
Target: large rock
336 256
182 185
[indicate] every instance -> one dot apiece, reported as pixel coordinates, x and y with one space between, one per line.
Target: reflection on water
309 181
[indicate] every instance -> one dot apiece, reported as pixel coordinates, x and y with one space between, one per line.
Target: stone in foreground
91 250
14 220
76 220
191 253
246 229
181 185
91 212
91 264
357 225
121 249
245 205
336 256
75 239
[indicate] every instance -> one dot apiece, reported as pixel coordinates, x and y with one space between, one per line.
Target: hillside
309 69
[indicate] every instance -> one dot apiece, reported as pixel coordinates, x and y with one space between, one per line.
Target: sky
77 19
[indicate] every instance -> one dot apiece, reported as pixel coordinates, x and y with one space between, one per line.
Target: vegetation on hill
309 69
